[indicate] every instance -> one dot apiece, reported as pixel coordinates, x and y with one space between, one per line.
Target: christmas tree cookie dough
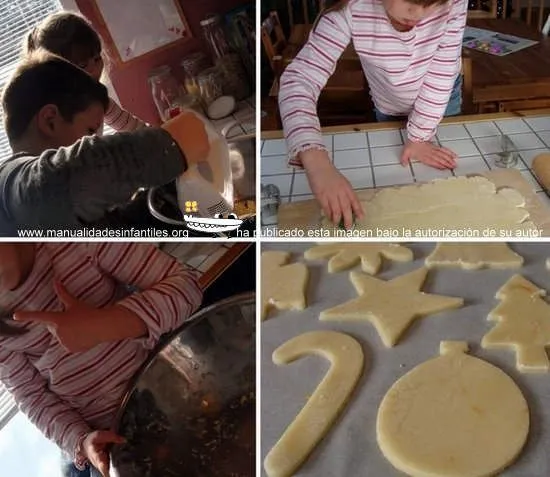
474 256
453 416
346 255
283 286
325 404
522 324
391 306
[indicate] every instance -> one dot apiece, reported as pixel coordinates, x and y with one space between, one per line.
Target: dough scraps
283 286
523 324
453 416
325 404
346 255
457 203
473 256
391 305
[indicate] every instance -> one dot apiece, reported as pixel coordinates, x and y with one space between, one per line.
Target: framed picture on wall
138 28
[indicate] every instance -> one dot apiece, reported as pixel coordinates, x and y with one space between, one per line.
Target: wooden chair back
273 40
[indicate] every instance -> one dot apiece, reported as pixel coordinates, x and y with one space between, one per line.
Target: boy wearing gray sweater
60 175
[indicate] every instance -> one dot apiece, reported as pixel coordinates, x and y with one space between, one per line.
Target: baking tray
350 447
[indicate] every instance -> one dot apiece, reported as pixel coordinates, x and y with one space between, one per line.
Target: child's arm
303 80
79 183
55 418
121 120
436 89
169 292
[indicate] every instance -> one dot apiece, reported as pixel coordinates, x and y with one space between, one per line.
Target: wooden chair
468 106
273 38
300 21
533 15
479 12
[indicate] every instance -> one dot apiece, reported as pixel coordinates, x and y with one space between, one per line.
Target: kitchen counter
243 119
368 154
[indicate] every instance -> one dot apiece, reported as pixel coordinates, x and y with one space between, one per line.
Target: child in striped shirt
79 335
72 37
410 51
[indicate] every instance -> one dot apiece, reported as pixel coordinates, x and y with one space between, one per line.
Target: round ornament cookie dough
453 416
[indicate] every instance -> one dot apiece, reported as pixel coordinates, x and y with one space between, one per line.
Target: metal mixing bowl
190 411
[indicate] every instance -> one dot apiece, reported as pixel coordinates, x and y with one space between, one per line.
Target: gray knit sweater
73 187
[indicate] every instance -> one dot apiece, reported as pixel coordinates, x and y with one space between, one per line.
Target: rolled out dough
473 256
346 255
457 203
453 416
523 324
283 286
392 305
327 401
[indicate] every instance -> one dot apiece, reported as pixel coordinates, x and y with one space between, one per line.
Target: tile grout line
369 151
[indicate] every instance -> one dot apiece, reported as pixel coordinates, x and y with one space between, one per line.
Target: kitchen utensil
243 166
509 156
208 184
541 169
190 410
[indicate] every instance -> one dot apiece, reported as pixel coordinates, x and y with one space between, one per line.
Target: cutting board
306 215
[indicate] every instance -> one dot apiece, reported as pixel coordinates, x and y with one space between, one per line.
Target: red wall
130 80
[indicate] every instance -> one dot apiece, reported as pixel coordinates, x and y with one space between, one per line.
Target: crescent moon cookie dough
474 256
522 323
325 404
283 286
345 255
443 206
453 416
391 306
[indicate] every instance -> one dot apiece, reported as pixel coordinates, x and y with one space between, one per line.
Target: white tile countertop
370 159
244 118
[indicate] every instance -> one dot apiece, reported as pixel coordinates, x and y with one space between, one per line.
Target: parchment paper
350 448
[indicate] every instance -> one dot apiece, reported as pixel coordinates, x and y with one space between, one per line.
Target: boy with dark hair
62 177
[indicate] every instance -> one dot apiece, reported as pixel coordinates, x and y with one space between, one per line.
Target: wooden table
500 83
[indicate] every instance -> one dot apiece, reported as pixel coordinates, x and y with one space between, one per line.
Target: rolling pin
541 168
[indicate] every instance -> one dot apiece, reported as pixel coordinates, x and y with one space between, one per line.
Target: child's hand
429 154
76 328
332 189
190 134
94 447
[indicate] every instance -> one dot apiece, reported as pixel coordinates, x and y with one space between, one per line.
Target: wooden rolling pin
541 168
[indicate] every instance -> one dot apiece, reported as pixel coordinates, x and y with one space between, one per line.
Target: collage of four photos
274 238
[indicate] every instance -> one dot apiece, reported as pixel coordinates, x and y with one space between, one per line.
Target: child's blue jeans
453 107
69 470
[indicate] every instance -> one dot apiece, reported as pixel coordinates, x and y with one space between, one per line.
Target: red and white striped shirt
121 120
409 73
67 395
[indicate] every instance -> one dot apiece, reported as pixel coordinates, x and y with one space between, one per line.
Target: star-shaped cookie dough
346 255
391 305
474 256
523 324
283 286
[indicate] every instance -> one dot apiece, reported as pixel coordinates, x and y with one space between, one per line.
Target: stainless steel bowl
190 411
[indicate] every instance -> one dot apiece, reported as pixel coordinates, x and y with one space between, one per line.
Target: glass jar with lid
167 92
210 84
214 35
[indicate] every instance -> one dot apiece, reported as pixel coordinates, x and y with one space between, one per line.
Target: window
17 17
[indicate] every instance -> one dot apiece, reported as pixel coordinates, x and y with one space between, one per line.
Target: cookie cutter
508 157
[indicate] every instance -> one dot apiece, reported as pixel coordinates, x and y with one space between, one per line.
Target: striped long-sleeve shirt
121 120
409 73
66 395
